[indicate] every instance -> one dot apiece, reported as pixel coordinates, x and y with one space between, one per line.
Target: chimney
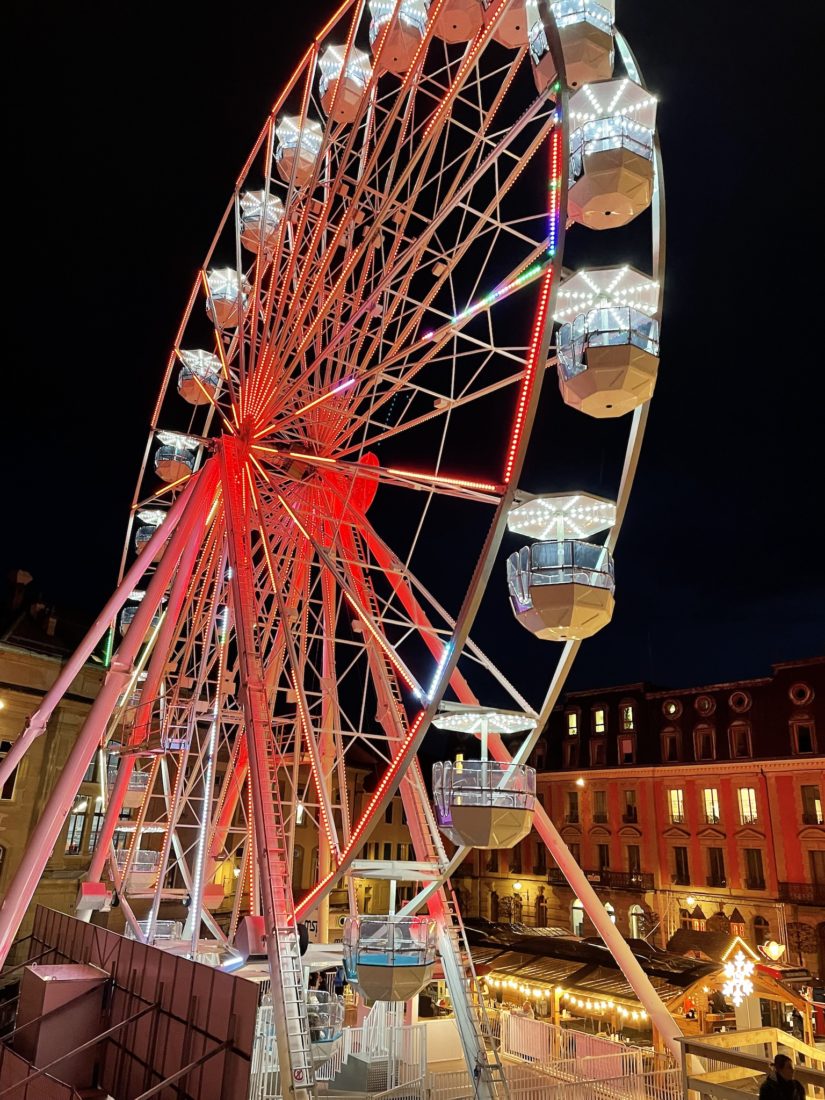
19 580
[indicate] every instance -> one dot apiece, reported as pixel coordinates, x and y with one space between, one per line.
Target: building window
91 771
403 815
628 717
636 917
627 749
575 850
748 814
77 823
611 912
754 869
630 814
671 745
599 721
740 701
681 867
388 813
571 754
491 866
671 708
716 867
634 859
8 787
577 917
705 704
704 743
811 806
540 862
676 806
572 717
600 807
515 860
710 805
817 861
801 694
603 856
387 850
803 736
598 755
739 736
761 931
97 823
572 815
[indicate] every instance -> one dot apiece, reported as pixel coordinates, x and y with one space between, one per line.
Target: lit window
747 806
97 824
710 804
628 720
600 721
611 912
811 805
572 723
676 806
77 823
671 708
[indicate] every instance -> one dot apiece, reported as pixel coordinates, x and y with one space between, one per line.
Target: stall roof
507 946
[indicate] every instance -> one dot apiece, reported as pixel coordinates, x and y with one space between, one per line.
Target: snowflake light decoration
739 984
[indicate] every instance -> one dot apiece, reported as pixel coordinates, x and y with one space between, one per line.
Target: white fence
524 1084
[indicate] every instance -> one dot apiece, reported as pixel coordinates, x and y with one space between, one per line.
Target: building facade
31 656
700 808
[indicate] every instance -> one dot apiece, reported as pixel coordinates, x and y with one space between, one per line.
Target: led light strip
354 842
554 187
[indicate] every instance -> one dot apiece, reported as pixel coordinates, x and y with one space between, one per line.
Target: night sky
125 129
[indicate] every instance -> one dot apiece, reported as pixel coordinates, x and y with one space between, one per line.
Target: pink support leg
157 664
37 723
44 837
628 963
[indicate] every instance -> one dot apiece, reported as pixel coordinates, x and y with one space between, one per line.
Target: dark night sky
125 128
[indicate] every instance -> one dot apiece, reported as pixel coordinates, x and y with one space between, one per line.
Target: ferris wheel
331 472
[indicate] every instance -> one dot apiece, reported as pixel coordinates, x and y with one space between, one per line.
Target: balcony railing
615 880
679 878
630 817
571 819
716 880
600 819
803 893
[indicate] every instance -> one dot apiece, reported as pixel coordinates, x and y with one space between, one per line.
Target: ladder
284 932
471 1014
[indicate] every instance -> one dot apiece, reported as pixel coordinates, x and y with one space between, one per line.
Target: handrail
807 1076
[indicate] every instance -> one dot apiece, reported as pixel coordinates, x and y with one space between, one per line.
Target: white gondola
299 146
399 33
611 153
608 343
149 519
586 33
260 216
459 20
389 958
561 588
130 610
227 297
483 803
199 376
176 456
342 88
